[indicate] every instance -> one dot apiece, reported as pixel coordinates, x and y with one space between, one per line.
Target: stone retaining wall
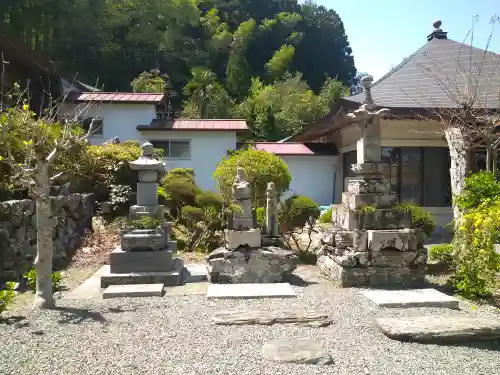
18 230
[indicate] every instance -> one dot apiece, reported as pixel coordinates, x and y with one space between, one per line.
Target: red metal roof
284 148
120 97
185 124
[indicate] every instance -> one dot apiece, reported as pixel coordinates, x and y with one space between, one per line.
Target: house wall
313 176
119 119
207 150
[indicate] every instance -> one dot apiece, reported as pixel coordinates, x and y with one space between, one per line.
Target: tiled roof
284 148
424 79
119 97
196 125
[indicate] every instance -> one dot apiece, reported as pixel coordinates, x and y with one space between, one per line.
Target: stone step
133 290
172 278
434 329
411 298
195 273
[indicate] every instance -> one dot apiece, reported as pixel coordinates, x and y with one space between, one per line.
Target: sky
383 32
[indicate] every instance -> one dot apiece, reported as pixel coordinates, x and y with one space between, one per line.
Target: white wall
120 119
207 150
313 176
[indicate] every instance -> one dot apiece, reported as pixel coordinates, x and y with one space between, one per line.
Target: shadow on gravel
493 345
18 321
299 281
70 315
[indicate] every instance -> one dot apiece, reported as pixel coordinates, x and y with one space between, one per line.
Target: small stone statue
242 197
271 207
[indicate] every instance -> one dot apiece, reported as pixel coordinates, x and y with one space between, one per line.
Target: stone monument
373 243
244 258
271 236
145 255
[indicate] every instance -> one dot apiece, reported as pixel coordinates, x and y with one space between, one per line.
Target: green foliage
209 198
181 189
193 214
6 296
260 168
31 278
441 252
480 188
327 216
420 218
297 211
260 213
474 256
151 81
367 208
114 43
145 222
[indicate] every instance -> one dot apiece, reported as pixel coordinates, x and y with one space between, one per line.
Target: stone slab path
296 351
133 290
411 298
440 328
269 317
279 290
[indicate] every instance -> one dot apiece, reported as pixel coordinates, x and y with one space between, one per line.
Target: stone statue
271 207
241 190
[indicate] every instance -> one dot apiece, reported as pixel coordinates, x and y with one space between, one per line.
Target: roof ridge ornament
438 33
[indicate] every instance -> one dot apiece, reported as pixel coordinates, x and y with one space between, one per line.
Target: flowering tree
29 146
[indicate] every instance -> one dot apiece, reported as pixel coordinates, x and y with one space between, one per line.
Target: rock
432 329
296 351
268 317
251 265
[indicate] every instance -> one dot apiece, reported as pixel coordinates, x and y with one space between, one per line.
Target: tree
472 119
280 61
151 81
31 162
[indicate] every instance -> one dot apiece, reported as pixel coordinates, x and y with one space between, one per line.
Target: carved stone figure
241 190
271 207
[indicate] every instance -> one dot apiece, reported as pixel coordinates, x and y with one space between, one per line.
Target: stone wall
18 230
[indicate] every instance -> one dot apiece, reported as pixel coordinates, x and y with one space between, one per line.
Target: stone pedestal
373 243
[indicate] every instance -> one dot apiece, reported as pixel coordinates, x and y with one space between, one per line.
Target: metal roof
439 69
284 148
119 97
196 125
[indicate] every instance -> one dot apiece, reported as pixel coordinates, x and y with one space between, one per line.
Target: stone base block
272 241
380 200
257 265
242 224
156 212
140 261
387 277
170 278
235 238
389 218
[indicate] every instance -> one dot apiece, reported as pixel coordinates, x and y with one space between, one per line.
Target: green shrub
327 216
420 218
260 213
480 189
6 296
145 222
193 214
441 252
474 255
31 277
297 211
181 189
209 198
260 168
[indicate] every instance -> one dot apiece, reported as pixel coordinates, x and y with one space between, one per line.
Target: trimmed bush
480 189
297 211
441 252
181 190
260 168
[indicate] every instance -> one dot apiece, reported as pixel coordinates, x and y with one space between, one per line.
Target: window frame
169 142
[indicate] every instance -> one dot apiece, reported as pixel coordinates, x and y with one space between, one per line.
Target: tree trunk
458 165
44 297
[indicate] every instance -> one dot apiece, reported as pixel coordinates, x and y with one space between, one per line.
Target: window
417 174
174 149
98 124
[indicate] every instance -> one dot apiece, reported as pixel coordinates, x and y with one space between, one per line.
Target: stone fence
18 230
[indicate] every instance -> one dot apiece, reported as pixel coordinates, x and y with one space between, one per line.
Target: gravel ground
175 335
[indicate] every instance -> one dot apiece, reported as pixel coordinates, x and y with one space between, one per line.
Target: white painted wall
313 176
207 150
120 119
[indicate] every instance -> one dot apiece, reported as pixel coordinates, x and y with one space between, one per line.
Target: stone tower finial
147 149
438 33
366 82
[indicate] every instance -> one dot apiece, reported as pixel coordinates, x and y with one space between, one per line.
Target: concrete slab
90 288
195 273
133 290
411 298
198 288
250 290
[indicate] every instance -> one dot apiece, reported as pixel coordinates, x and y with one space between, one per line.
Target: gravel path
176 336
